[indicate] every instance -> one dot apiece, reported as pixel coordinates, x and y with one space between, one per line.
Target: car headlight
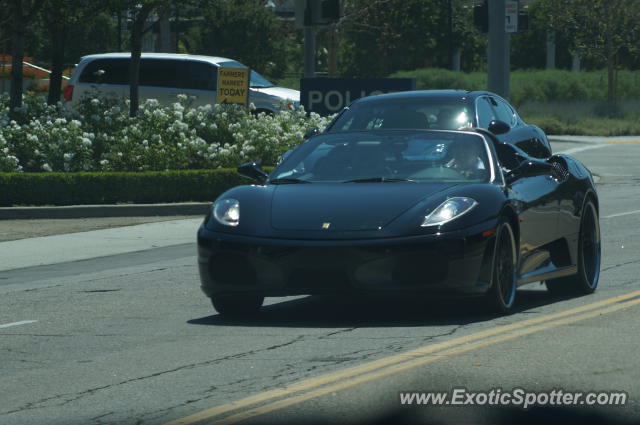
227 211
449 210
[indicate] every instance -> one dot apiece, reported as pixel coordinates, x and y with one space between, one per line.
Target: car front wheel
501 297
237 304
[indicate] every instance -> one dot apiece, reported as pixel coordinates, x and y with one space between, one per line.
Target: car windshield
388 156
432 113
257 80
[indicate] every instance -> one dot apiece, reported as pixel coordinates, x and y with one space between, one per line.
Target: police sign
326 96
233 85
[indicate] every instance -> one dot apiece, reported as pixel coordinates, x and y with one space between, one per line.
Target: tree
4 24
383 36
243 30
59 18
140 14
598 29
21 14
140 11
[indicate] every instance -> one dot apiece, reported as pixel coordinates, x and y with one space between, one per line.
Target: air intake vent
560 172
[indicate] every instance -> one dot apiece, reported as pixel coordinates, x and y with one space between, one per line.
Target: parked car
445 110
377 204
163 76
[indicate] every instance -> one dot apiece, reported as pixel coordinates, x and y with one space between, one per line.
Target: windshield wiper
288 180
378 180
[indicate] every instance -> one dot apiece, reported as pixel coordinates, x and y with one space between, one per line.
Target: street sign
233 85
327 96
511 16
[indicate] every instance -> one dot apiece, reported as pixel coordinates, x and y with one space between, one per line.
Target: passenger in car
406 119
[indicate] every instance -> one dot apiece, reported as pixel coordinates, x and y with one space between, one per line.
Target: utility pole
304 20
551 49
450 30
309 52
498 62
309 14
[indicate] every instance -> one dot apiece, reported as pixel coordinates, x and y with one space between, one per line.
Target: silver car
163 76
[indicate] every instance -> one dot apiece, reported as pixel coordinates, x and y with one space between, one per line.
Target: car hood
279 92
347 206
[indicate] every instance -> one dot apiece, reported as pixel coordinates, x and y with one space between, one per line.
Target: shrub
100 136
115 187
533 85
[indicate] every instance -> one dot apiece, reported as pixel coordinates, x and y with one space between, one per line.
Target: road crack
448 333
341 331
621 265
63 399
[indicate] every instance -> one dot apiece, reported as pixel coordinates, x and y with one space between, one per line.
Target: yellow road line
395 369
312 383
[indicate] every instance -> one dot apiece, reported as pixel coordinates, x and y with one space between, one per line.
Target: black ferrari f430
408 192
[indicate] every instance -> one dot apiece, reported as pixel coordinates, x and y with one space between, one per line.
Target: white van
165 75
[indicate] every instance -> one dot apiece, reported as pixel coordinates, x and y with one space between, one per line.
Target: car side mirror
254 171
309 134
529 168
498 127
509 156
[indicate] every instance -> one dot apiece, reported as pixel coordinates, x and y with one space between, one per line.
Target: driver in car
466 159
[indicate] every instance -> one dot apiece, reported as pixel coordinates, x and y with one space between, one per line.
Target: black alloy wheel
589 256
501 297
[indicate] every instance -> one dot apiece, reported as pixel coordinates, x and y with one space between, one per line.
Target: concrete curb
593 139
88 211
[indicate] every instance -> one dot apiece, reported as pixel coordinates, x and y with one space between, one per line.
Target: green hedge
115 187
533 85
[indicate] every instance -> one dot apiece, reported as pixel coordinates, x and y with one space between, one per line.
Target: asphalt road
129 339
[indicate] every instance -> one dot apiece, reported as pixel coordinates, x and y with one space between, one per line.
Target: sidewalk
122 210
97 243
594 139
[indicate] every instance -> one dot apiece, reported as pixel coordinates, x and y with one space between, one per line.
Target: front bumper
450 263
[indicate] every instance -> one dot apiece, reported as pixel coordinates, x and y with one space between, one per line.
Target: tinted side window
106 71
534 147
485 112
160 73
442 114
504 112
200 76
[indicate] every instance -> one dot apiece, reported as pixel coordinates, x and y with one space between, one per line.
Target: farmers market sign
233 86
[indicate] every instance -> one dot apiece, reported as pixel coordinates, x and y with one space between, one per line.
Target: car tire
502 294
237 304
589 256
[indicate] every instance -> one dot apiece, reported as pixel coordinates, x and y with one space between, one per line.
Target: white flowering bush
100 136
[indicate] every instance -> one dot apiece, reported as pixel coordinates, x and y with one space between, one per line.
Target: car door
531 183
160 79
200 82
107 76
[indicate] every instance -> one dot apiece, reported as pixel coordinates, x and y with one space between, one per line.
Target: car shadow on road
378 311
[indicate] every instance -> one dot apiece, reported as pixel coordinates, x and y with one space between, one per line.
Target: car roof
425 94
181 56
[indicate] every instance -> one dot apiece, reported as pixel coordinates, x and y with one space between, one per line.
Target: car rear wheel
237 304
586 280
501 297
